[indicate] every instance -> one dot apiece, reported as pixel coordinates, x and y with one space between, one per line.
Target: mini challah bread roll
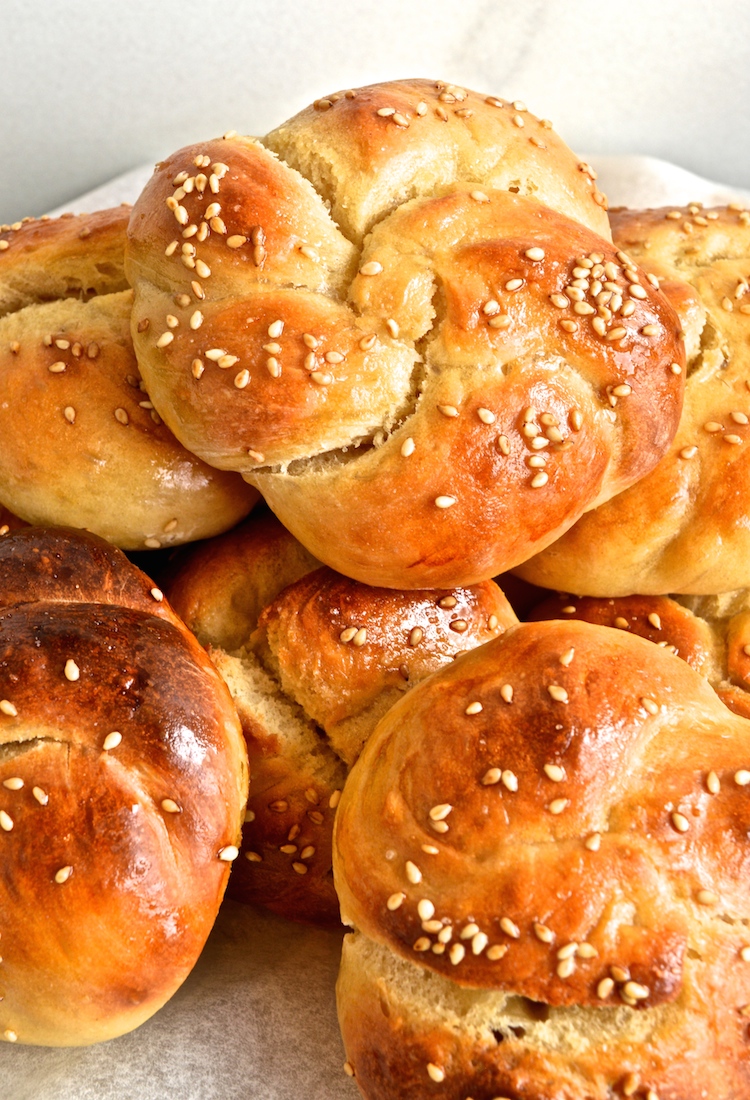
546 846
711 633
329 657
683 528
99 456
446 393
220 586
310 676
123 778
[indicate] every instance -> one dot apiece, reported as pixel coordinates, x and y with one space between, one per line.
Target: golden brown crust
369 150
423 1040
319 369
371 645
74 256
682 528
592 712
117 848
220 586
657 618
97 455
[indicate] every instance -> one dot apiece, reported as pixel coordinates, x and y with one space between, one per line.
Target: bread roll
711 633
429 378
683 528
544 850
99 456
313 673
123 779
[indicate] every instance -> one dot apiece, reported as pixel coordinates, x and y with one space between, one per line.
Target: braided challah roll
123 778
82 444
683 528
412 331
319 660
544 850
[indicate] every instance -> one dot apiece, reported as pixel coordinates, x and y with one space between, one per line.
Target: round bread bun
683 528
711 633
123 781
546 847
433 378
311 675
99 456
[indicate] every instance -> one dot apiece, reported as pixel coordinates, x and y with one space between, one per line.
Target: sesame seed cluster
690 509
110 823
362 324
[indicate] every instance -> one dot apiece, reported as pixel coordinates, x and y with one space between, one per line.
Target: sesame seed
435 1073
500 321
360 637
586 951
6 821
534 253
636 991
486 416
440 812
742 777
395 901
479 196
680 822
473 708
567 951
72 671
300 868
706 897
604 988
236 240
566 968
408 447
509 780
712 783
554 772
170 806
497 951
413 873
543 933
10 1035
6 707
593 843
448 410
558 805
41 796
368 342
491 777
637 291
514 284
457 953
539 480
242 378
559 694
13 784
165 339
688 452
506 693
63 875
111 741
439 826
372 267
229 853
445 501
348 1069
510 928
425 909
157 593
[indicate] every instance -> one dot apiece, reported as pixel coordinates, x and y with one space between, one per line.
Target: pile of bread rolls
405 319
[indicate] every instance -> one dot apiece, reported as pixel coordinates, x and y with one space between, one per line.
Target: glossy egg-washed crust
81 442
712 636
116 852
319 666
403 378
683 528
563 785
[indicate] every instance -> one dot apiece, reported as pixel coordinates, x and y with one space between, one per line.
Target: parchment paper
256 1020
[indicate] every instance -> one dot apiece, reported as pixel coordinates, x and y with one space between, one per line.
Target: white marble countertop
90 89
